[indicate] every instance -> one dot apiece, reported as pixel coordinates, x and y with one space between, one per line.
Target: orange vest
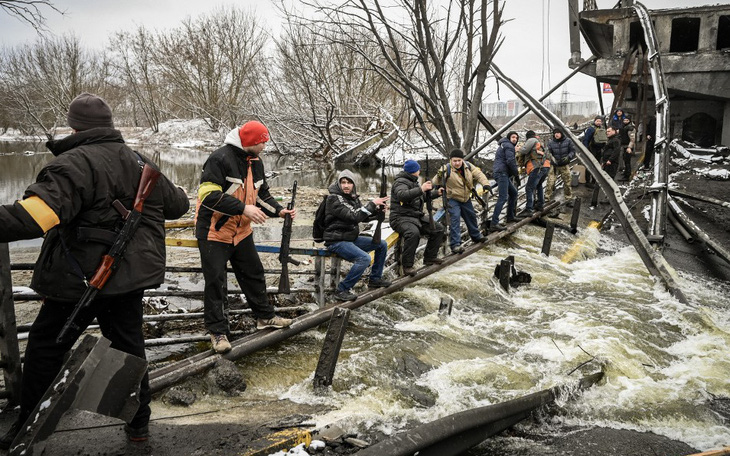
237 227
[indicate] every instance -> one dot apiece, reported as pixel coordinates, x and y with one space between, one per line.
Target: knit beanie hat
88 111
598 118
530 134
456 153
252 133
411 166
510 133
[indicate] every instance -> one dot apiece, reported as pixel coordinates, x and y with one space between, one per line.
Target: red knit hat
252 133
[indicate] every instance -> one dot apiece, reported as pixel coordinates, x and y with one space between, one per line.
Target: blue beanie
411 166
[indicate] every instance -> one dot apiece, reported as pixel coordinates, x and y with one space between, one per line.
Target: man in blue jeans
505 166
537 167
458 178
343 213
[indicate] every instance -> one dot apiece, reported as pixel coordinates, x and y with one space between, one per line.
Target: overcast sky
534 54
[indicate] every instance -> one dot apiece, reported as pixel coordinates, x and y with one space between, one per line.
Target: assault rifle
111 260
485 210
284 257
381 212
445 202
429 202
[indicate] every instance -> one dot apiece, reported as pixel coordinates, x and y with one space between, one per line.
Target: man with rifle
343 214
409 221
233 193
80 201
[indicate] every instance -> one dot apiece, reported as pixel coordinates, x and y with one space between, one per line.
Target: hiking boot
538 208
497 227
526 213
379 283
220 343
140 434
456 250
410 271
7 439
345 295
479 240
275 322
513 220
432 261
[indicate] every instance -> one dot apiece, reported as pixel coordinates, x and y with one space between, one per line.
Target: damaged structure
695 47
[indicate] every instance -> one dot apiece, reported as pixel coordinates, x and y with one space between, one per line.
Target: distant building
511 108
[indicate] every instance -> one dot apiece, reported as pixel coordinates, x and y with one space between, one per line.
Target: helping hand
381 201
254 213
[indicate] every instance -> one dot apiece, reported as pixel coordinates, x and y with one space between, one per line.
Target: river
401 363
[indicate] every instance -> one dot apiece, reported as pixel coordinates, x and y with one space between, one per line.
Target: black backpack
318 225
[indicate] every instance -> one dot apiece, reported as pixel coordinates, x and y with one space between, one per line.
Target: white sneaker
220 343
274 322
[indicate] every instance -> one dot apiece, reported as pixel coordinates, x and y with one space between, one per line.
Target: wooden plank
325 372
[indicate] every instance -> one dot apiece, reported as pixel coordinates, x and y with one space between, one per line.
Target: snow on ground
180 134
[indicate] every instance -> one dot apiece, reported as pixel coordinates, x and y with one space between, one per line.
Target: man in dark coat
595 140
562 151
627 136
505 166
71 203
650 132
612 152
408 219
343 214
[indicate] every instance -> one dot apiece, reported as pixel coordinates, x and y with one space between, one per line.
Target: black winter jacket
612 151
92 169
562 151
343 213
407 199
219 215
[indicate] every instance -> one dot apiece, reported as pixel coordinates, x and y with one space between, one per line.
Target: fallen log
454 434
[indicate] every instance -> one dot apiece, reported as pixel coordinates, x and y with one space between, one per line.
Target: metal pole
525 111
575 216
653 260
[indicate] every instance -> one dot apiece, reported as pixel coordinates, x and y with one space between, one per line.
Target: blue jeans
506 190
458 210
355 252
534 181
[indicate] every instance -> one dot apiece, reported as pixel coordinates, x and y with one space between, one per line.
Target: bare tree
40 80
30 11
140 75
325 91
435 55
209 63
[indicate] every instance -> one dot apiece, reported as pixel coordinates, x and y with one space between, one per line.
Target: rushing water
400 362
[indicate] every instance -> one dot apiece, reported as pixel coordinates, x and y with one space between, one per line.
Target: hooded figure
343 214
